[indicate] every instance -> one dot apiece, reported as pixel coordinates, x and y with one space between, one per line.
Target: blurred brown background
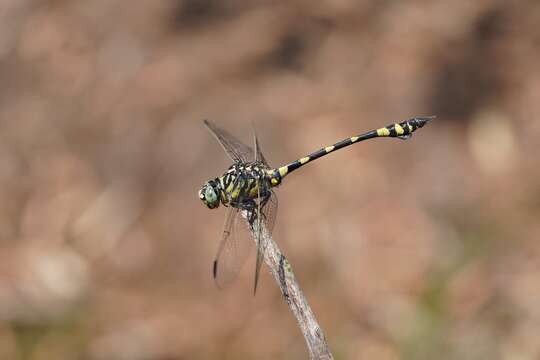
425 249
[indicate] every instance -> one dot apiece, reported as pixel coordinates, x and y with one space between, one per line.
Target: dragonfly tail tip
427 119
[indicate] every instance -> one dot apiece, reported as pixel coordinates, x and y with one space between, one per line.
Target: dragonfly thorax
238 187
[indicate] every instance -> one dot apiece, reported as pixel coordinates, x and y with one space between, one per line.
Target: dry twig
283 274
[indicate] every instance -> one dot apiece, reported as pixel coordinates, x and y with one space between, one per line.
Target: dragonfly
247 186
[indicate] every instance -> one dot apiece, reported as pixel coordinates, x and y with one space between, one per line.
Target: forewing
267 215
270 212
236 150
233 250
259 239
258 154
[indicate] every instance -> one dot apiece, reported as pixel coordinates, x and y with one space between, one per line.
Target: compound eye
210 194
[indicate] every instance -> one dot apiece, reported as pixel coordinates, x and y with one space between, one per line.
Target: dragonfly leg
264 201
250 206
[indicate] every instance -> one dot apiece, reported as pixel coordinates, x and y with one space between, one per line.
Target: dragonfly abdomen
402 130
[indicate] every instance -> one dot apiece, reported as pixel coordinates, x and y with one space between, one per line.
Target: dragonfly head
209 194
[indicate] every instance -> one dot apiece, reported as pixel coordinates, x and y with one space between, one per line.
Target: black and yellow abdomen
402 130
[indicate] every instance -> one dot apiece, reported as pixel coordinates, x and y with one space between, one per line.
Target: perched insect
248 186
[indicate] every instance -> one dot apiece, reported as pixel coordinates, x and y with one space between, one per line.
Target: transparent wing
258 155
270 211
233 250
261 244
236 243
267 215
236 150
